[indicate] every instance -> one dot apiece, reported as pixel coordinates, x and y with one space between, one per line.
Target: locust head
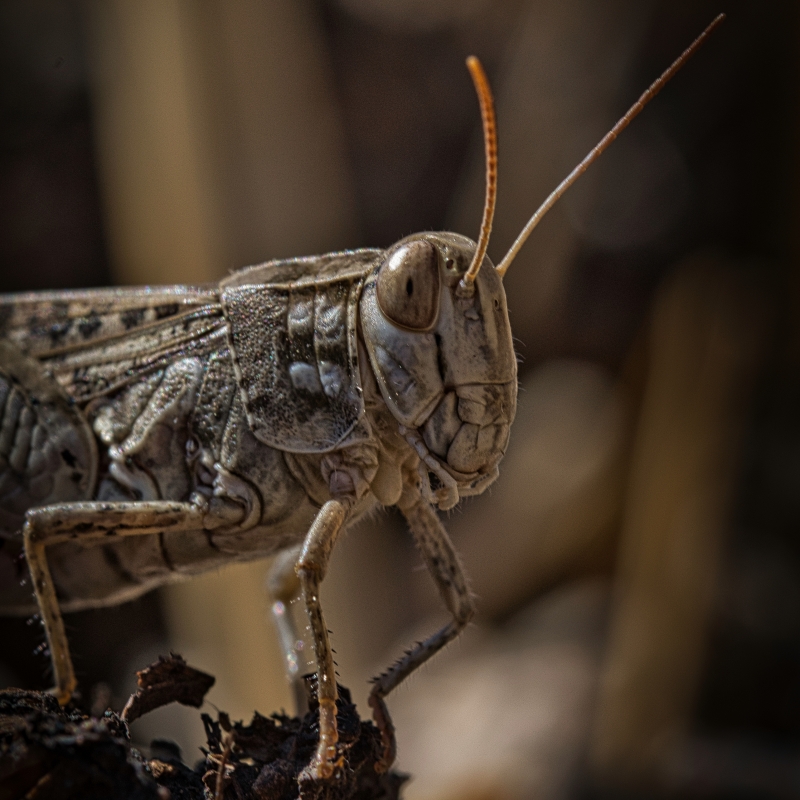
435 323
443 359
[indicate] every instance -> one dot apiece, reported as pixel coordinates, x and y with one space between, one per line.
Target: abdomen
49 454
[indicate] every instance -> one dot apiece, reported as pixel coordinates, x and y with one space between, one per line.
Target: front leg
311 567
84 522
443 563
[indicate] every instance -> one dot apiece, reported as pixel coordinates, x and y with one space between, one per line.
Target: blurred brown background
638 562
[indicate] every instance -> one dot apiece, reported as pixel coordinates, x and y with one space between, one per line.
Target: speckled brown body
149 434
247 395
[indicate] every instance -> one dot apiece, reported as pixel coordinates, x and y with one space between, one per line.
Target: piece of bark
267 759
53 753
168 680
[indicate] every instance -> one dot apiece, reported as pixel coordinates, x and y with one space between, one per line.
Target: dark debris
168 680
53 753
50 753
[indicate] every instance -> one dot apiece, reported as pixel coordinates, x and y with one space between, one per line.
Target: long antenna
490 144
632 112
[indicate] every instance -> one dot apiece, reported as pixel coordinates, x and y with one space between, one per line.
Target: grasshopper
148 434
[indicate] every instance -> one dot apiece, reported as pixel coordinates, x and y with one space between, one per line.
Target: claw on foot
324 768
325 760
384 724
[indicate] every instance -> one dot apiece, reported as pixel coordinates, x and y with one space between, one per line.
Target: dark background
711 165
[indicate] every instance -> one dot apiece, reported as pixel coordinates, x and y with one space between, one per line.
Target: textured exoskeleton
237 421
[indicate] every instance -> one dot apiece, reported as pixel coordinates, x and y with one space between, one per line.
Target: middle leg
444 565
283 587
311 567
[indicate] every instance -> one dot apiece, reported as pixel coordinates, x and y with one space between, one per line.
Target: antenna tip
716 21
476 69
490 145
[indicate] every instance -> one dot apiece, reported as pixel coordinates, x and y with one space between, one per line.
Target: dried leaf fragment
168 680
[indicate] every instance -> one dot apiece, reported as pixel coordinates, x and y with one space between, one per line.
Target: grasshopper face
443 359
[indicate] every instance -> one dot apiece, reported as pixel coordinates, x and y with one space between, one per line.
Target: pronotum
156 432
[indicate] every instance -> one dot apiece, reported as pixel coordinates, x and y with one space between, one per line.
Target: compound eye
408 286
